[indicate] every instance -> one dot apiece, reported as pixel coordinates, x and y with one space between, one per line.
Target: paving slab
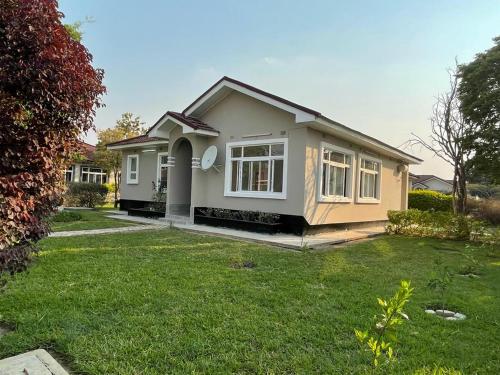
314 241
36 362
90 232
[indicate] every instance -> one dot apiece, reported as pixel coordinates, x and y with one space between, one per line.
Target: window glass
234 177
254 151
336 174
278 149
236 152
257 168
133 164
278 176
245 176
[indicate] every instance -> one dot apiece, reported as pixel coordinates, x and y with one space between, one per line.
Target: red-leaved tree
49 92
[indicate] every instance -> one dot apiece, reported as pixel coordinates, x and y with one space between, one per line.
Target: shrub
428 200
67 216
435 224
82 194
485 209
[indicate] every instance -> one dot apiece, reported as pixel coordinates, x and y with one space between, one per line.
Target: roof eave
370 142
136 145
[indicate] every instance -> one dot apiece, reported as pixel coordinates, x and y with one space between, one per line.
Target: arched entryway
179 190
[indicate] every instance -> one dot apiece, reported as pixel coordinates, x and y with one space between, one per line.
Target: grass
91 219
159 302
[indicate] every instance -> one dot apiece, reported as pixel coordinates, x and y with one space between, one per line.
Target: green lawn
159 302
91 219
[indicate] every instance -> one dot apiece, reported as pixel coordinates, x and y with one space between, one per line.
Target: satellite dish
208 158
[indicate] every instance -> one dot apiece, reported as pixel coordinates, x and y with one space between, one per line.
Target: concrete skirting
37 362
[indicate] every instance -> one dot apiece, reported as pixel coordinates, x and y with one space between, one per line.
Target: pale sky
373 66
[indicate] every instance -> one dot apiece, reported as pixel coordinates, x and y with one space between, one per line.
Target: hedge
428 200
435 224
82 194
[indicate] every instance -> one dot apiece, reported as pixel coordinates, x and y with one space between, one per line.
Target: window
369 179
335 184
256 170
132 169
93 175
162 172
68 174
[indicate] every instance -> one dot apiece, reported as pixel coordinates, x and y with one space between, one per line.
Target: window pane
234 175
278 176
133 164
339 181
85 177
368 185
331 182
245 176
133 175
259 175
326 155
236 152
104 178
324 180
368 164
277 150
164 159
163 178
337 157
262 150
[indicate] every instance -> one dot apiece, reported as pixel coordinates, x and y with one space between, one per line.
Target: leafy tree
74 30
479 93
49 92
127 126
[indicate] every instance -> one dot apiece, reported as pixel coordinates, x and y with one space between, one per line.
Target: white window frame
349 179
159 165
256 194
86 169
70 170
378 187
132 181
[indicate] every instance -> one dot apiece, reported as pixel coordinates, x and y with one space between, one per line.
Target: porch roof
141 140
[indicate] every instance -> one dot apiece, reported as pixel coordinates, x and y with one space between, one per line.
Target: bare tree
450 134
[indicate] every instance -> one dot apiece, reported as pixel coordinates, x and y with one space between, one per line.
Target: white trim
129 180
137 145
300 116
362 139
159 165
335 199
185 128
256 194
379 180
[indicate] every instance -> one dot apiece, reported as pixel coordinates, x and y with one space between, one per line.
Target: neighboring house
84 169
430 182
273 156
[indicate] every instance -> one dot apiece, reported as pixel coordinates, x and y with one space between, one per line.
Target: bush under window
80 194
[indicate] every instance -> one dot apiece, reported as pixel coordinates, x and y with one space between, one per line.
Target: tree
479 93
49 92
126 127
450 139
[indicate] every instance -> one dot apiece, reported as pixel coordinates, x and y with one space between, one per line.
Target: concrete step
176 219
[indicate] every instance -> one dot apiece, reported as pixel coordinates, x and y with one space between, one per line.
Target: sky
375 66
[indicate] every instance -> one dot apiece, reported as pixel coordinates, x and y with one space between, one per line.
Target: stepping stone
460 316
36 362
445 313
429 311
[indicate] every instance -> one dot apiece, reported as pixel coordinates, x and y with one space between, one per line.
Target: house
84 169
273 156
430 182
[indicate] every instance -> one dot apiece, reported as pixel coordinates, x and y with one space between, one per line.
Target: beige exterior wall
393 187
148 164
236 116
